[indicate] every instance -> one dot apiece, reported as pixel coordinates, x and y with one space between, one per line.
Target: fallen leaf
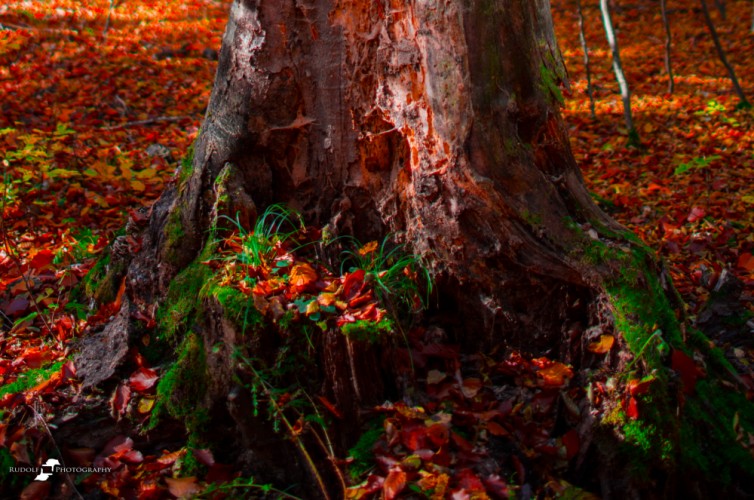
555 375
143 379
302 275
183 487
603 345
686 367
394 483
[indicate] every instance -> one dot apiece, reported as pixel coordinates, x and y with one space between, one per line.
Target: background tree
438 124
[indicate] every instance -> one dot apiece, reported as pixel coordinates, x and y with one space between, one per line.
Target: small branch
107 20
625 92
668 45
150 121
720 4
38 418
721 54
585 49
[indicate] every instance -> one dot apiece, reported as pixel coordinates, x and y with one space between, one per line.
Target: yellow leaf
603 345
138 185
146 405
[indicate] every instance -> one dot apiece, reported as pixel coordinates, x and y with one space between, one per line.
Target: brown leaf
119 400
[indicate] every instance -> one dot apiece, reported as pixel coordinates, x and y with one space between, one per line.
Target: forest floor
99 103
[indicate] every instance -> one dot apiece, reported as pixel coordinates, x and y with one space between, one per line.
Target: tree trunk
620 76
668 46
436 123
587 66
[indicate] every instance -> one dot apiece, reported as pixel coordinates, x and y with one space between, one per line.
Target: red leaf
353 284
41 260
638 387
572 443
469 481
696 214
143 379
394 483
632 408
686 369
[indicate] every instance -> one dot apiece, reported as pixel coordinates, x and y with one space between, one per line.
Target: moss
548 83
7 478
363 453
102 282
534 220
181 389
237 307
367 330
174 235
29 379
180 305
694 432
708 437
187 166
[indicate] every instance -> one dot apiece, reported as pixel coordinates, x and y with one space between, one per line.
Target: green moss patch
180 306
183 386
29 379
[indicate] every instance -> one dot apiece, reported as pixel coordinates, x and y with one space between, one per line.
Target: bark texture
434 121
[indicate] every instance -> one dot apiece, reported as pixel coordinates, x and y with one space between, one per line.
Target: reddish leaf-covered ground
94 122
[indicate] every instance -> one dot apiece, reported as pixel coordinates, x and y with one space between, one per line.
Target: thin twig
39 418
668 45
722 56
150 121
587 66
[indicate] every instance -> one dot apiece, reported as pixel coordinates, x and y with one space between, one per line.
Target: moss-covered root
691 422
103 280
183 386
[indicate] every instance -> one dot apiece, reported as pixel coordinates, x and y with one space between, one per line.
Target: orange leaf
302 274
368 248
746 261
496 429
394 483
603 345
555 375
